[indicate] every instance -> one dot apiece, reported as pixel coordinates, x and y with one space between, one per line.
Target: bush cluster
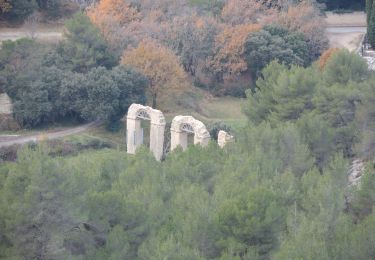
78 78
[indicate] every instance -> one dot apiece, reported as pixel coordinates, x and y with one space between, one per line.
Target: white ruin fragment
356 171
6 107
136 113
223 138
182 126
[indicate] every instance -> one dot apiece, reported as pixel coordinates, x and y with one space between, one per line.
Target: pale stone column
178 139
136 112
6 106
134 134
157 140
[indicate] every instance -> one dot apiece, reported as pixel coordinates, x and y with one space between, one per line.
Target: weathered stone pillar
136 113
134 134
157 139
7 122
6 106
178 138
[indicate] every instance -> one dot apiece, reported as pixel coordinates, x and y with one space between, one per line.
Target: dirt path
43 33
345 37
43 36
8 140
345 30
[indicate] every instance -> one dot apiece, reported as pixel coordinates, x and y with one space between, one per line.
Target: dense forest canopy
281 191
344 4
218 46
17 10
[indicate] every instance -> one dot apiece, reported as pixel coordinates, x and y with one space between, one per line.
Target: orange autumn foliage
5 6
299 16
326 56
304 17
160 65
118 11
230 47
244 11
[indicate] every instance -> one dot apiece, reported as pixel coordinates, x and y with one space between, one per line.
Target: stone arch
136 113
184 125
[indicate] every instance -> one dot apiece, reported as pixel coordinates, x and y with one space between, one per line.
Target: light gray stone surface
134 138
223 138
184 125
6 107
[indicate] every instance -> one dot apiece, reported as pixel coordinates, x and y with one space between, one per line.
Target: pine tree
369 9
370 21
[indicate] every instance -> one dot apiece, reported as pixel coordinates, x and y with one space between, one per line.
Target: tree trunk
154 96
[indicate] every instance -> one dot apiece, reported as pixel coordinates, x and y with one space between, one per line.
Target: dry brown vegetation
209 40
326 56
160 65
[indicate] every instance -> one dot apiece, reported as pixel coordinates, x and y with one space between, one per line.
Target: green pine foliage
275 43
77 79
371 23
84 47
280 191
369 5
205 203
344 4
19 10
365 119
298 94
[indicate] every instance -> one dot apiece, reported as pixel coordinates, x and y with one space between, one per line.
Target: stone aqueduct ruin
184 125
134 131
181 127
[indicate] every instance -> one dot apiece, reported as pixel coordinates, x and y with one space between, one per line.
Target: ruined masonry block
223 138
6 106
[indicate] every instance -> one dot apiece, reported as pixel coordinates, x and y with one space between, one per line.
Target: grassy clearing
208 109
213 109
116 138
226 109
